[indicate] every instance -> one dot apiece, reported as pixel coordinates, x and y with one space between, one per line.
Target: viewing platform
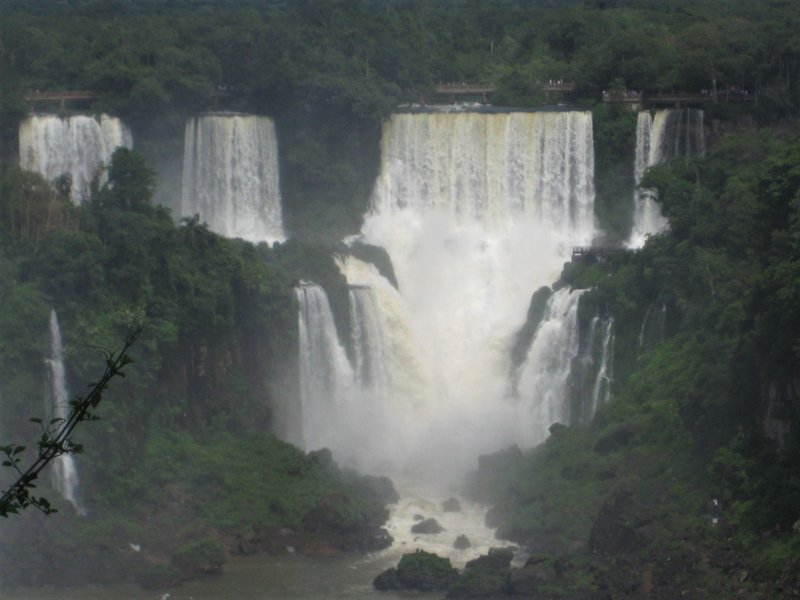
61 97
599 253
639 100
465 90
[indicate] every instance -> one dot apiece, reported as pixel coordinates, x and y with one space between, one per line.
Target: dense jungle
683 481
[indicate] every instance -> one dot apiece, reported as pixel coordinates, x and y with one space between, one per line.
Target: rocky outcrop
420 571
428 526
451 505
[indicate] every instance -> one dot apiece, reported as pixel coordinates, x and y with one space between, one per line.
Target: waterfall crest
64 474
670 134
78 147
231 177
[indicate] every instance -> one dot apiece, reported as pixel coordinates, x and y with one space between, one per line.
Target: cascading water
543 381
601 391
671 134
64 474
77 147
231 177
476 211
326 378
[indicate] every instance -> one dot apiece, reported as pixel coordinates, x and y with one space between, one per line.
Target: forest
707 407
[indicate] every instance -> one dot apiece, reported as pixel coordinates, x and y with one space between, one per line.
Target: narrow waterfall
231 177
369 341
671 134
601 391
326 377
76 148
544 381
476 211
64 474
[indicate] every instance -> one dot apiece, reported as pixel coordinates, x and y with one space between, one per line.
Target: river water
293 576
253 578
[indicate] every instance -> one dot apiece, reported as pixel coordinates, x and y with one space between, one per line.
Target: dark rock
419 518
377 256
420 571
378 488
369 539
427 526
462 543
451 505
494 517
496 559
616 440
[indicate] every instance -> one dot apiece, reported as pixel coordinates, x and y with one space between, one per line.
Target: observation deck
62 97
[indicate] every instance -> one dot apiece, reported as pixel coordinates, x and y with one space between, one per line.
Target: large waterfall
670 134
64 474
230 176
76 147
476 212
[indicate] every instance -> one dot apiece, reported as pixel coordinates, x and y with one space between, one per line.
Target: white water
476 212
671 134
80 146
601 391
542 387
231 177
326 377
64 474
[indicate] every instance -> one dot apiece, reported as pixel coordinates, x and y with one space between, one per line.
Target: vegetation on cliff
695 460
182 461
705 396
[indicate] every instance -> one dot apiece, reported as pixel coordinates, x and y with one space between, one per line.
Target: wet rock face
462 543
428 526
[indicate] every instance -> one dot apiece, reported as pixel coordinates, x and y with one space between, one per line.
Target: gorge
551 339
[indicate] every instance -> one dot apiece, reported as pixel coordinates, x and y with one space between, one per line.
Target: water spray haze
476 211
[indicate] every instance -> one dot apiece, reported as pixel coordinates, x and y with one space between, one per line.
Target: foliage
56 437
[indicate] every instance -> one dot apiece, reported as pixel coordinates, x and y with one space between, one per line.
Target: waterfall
671 134
601 391
77 147
654 327
64 474
230 176
326 377
476 211
544 380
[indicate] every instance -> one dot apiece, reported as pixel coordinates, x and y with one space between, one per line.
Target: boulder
428 526
496 559
421 571
451 505
462 543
